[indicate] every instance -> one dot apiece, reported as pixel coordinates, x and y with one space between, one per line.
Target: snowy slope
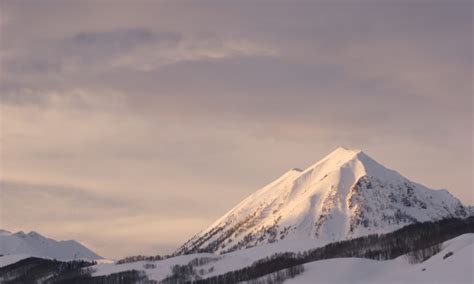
454 269
34 244
347 194
220 264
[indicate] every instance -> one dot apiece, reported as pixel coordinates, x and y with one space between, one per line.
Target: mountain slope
249 264
456 268
34 244
347 194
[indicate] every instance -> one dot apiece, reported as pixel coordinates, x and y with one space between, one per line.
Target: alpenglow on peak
346 194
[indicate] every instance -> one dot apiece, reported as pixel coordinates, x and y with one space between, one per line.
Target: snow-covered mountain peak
341 152
30 235
353 160
336 159
34 244
288 174
346 194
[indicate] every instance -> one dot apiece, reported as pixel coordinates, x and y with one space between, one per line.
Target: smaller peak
341 149
34 234
291 172
343 153
339 157
20 234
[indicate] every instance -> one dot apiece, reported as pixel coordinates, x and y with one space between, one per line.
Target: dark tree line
189 272
31 269
125 277
280 276
39 270
420 255
136 258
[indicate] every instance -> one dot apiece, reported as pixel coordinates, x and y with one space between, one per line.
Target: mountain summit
347 194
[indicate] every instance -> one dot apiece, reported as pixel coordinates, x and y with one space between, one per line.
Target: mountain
34 244
345 195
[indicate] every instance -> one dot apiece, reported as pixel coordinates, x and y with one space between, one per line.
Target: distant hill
34 244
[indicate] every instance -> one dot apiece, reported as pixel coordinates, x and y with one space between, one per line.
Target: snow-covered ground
454 269
457 268
221 263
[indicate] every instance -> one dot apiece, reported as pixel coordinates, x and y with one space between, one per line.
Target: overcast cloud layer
130 126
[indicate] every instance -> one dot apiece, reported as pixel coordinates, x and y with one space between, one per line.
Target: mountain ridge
35 244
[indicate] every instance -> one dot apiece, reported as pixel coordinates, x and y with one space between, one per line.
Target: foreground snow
218 265
454 269
458 268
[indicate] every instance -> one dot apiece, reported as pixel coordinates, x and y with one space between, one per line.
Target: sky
132 125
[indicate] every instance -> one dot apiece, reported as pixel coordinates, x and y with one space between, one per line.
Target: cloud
55 203
154 56
130 106
98 53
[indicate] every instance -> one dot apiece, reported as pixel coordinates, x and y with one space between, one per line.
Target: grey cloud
115 39
134 106
90 57
83 49
57 203
100 47
53 202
